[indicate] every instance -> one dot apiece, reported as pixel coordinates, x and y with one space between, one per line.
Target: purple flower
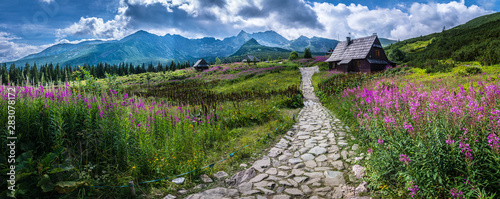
408 126
465 149
494 142
456 193
413 189
380 141
101 113
139 125
449 141
404 158
370 150
89 106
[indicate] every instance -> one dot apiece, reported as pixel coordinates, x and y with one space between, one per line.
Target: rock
245 187
294 192
299 166
251 192
271 185
259 177
339 165
306 189
295 160
170 196
284 168
334 178
220 175
285 183
314 175
280 189
260 184
355 147
337 193
311 163
275 152
205 179
334 156
282 174
321 158
179 180
244 165
200 186
281 197
296 154
352 153
307 157
273 178
359 171
242 176
272 171
260 165
300 179
182 192
361 188
265 191
297 172
344 154
317 150
295 184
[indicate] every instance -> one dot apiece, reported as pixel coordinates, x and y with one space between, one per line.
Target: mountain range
144 47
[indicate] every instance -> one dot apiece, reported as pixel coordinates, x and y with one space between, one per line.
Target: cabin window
377 52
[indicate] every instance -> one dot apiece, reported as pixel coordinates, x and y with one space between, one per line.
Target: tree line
41 74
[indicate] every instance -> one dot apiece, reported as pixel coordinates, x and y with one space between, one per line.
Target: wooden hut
201 64
359 55
251 58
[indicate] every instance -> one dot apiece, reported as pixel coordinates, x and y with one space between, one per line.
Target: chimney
348 39
374 34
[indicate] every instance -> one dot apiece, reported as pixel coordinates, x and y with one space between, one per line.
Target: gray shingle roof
201 63
358 49
251 58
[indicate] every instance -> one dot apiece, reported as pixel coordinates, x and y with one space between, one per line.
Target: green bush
473 70
293 55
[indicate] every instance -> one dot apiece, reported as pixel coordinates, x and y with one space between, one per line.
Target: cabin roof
201 63
251 58
357 49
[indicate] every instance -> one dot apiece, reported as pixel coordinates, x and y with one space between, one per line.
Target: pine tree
307 53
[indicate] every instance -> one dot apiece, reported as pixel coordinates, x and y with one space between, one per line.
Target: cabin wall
377 67
365 66
342 67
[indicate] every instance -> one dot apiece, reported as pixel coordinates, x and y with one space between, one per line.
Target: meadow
427 135
90 137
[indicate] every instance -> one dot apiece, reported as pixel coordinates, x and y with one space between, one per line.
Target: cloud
47 1
419 19
96 28
11 51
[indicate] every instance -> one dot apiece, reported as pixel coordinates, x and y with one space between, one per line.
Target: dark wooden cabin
359 55
251 58
201 64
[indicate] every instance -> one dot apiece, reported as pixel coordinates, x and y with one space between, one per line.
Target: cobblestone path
313 160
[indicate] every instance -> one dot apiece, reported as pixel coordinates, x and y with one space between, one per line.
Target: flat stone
262 164
259 177
296 154
245 187
272 171
273 178
247 197
317 150
218 192
275 152
314 175
295 160
339 165
244 165
359 171
285 183
260 184
200 186
344 154
271 185
333 156
311 163
205 179
306 189
283 157
182 192
251 192
334 178
280 189
321 158
282 173
355 147
295 184
265 191
322 168
297 172
179 180
323 189
303 137
169 196
242 176
220 175
336 193
281 197
284 168
298 166
290 176
300 179
294 192
307 157
342 144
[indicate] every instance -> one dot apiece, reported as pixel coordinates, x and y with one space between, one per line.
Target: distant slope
253 47
476 40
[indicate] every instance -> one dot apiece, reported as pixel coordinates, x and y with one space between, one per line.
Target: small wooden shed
359 55
251 58
201 64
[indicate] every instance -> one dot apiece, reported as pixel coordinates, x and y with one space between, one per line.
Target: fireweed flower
139 125
456 193
370 150
449 141
494 142
465 149
380 141
408 127
404 158
413 189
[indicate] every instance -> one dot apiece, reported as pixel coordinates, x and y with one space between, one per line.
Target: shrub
307 53
293 55
473 70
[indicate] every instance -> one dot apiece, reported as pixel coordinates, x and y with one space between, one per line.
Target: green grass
416 46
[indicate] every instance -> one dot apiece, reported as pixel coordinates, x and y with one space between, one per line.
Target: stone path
313 160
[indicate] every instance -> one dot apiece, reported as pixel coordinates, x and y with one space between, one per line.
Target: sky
29 26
